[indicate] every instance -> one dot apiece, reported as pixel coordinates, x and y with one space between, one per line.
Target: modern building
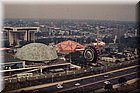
15 34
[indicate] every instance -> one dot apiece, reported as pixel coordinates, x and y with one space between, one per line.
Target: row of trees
76 58
121 81
129 41
55 40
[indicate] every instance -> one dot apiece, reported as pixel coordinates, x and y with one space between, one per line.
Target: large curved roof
69 46
36 52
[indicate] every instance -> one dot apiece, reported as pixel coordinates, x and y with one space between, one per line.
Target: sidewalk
117 86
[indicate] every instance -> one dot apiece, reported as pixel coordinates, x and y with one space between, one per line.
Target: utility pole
97 36
52 77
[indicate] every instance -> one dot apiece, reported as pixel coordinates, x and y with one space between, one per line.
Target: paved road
15 79
90 83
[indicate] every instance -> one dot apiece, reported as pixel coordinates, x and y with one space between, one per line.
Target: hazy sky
69 11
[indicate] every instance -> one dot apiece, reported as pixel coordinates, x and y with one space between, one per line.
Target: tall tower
115 39
97 28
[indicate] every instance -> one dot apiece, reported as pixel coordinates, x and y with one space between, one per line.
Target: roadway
89 83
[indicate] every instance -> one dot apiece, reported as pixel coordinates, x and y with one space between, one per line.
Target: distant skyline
120 12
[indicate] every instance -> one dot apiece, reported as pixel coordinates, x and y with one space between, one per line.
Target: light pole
83 89
41 70
74 74
52 77
82 80
67 70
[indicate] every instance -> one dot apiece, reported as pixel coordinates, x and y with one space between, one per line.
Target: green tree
122 80
108 87
6 43
108 39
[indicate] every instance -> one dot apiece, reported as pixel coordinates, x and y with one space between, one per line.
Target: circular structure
36 52
90 54
69 46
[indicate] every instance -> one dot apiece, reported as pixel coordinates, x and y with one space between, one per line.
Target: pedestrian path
117 85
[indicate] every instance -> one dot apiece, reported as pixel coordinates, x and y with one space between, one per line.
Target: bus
24 75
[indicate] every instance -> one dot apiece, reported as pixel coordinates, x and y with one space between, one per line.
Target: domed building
36 52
